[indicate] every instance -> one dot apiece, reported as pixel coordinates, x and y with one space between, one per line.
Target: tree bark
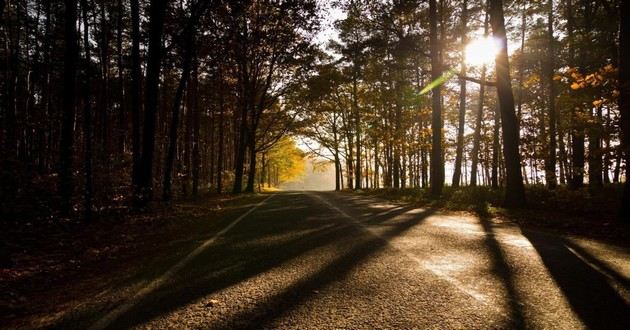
136 78
66 146
154 62
624 101
357 127
167 193
437 164
196 118
462 102
550 164
122 125
514 190
221 128
87 116
577 138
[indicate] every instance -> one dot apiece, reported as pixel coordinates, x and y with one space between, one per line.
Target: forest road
324 260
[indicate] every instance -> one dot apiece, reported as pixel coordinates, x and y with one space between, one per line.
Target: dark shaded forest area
108 104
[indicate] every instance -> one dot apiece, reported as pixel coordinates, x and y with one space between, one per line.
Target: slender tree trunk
196 118
496 146
397 138
578 127
87 115
66 145
221 130
187 55
357 128
595 150
242 143
154 62
136 78
8 118
437 164
562 157
477 134
337 174
122 125
338 179
252 163
550 164
515 190
624 101
462 101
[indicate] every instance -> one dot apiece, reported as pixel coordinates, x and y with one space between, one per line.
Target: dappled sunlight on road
319 259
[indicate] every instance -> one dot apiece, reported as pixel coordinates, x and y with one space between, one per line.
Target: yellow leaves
287 158
597 103
575 86
532 80
557 77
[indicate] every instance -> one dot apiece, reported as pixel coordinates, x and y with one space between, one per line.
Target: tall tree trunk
196 118
496 146
105 138
550 164
242 139
87 115
577 138
437 165
8 118
624 100
562 157
154 62
477 133
136 79
221 130
514 190
251 174
240 157
167 193
462 101
595 150
122 125
357 127
66 145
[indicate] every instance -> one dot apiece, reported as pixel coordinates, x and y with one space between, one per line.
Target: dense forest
121 103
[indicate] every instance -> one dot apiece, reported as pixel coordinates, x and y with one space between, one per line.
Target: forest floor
70 276
56 267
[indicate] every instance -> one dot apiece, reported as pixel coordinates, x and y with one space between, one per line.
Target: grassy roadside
56 269
589 213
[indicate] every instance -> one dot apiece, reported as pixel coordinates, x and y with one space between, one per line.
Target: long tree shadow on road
588 292
256 247
305 289
501 268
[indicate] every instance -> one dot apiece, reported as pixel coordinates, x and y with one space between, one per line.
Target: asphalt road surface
324 260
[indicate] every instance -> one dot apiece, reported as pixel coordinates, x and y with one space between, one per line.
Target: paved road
330 260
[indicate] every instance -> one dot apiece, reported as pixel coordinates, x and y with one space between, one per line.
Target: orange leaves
604 76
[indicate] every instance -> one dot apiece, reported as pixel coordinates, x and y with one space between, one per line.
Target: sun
482 51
